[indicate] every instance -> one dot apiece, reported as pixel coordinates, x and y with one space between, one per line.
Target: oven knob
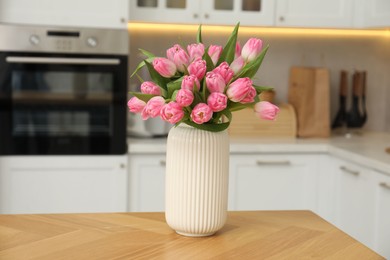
92 42
34 39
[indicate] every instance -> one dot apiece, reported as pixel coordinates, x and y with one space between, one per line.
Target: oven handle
75 61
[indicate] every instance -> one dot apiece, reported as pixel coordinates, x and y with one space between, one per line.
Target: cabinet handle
195 16
385 185
122 166
163 163
206 16
286 162
281 19
345 169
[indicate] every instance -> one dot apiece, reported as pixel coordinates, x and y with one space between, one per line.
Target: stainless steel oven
62 90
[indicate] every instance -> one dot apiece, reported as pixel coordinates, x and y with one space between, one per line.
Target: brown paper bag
309 95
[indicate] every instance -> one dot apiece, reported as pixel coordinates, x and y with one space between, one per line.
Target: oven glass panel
51 107
61 103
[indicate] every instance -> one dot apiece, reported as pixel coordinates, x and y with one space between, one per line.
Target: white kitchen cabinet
325 188
147 182
354 200
69 13
272 182
314 13
372 13
63 184
222 12
382 214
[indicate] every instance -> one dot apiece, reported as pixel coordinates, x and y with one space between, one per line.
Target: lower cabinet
147 182
354 200
362 204
382 214
272 182
63 184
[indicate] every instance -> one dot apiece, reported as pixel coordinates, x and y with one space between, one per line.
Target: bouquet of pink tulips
200 87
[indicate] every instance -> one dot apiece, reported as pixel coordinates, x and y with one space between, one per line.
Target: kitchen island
246 235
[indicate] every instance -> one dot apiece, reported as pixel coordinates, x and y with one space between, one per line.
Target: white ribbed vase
197 174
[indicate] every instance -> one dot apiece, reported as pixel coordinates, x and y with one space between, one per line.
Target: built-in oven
62 91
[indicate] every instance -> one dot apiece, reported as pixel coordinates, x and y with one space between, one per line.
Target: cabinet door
165 11
63 184
372 13
382 221
272 182
247 12
69 13
147 182
314 13
355 200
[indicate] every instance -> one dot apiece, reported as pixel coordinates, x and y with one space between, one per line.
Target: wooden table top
247 235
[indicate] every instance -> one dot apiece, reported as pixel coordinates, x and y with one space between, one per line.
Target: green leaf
173 86
233 106
199 34
139 78
156 77
252 67
230 48
260 89
141 96
140 65
174 94
209 62
147 53
209 126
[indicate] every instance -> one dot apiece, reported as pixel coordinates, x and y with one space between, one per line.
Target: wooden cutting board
246 124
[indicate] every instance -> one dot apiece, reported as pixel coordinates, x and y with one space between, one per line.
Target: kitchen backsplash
370 52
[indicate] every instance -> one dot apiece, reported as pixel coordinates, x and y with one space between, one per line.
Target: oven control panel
66 40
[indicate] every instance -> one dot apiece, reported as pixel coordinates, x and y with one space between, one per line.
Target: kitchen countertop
246 235
365 148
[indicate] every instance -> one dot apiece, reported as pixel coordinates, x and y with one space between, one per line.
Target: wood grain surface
247 235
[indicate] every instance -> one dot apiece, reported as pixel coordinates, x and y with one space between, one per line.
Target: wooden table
247 235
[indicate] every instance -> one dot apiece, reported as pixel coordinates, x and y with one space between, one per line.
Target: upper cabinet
222 12
280 13
314 13
372 13
70 13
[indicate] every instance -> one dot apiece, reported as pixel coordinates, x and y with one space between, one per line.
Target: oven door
62 104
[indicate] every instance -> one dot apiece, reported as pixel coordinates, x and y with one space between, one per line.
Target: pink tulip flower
164 67
189 81
237 65
172 112
215 82
198 68
177 55
250 97
153 107
266 110
251 49
149 87
238 50
201 113
214 53
184 97
225 71
217 101
136 105
195 50
239 89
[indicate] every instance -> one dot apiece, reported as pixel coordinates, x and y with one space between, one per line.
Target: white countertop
367 148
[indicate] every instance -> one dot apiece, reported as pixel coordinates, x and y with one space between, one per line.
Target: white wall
369 53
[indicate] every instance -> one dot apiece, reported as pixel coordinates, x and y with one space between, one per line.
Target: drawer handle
286 162
385 185
345 169
163 163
